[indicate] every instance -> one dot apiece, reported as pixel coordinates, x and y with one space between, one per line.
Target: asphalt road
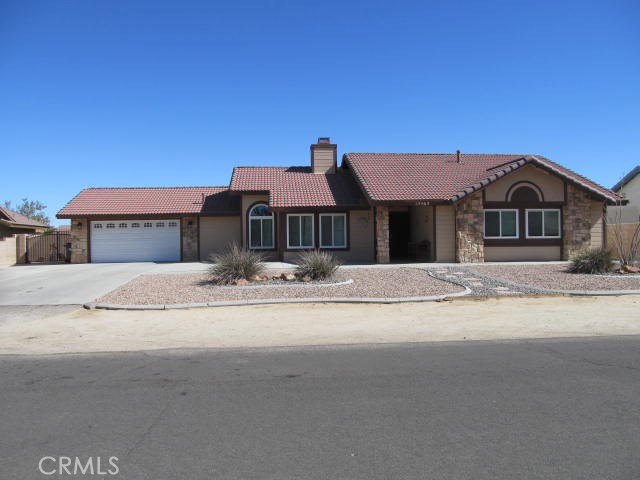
565 409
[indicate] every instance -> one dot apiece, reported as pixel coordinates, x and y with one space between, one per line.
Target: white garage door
135 241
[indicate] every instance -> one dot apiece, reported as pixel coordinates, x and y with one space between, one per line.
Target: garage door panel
135 241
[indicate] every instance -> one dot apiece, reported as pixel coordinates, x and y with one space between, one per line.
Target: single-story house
12 244
372 207
12 223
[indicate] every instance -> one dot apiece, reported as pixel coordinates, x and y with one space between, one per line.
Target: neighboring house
371 207
13 247
63 229
12 223
629 189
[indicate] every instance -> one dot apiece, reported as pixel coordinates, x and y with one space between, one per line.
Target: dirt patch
194 288
556 277
321 324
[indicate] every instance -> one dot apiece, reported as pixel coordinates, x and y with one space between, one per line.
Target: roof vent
458 156
324 156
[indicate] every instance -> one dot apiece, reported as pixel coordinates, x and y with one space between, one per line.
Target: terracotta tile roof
15 218
438 177
298 187
104 202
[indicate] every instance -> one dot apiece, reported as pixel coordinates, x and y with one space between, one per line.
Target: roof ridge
157 188
272 166
438 153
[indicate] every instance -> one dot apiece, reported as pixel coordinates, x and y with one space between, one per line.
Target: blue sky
110 93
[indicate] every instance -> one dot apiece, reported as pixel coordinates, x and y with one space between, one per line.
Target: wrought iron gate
54 247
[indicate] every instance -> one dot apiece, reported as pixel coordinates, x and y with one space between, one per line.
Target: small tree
626 248
32 209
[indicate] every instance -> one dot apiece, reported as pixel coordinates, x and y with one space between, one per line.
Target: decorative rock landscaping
374 284
554 277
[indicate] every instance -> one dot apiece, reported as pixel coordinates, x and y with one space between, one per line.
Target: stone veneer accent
189 239
470 229
79 240
382 235
576 229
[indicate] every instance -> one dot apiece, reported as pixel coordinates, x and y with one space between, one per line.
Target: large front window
333 230
501 223
543 223
261 227
300 230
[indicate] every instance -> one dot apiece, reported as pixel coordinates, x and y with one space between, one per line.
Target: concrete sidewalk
76 331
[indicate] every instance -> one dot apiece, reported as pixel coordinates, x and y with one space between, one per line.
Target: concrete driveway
76 284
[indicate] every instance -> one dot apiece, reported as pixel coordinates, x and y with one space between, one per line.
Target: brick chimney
324 156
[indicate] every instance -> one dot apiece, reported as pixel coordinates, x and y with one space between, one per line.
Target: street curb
275 301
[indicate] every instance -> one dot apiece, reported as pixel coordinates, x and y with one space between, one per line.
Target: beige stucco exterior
597 224
421 217
217 233
551 186
522 254
629 213
445 247
361 239
8 250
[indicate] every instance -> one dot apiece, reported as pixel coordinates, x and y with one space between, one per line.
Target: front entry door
399 235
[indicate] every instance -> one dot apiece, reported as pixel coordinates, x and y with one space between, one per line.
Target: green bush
234 264
592 261
316 265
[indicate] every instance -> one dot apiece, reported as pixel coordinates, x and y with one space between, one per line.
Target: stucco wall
422 225
360 240
445 233
521 254
216 233
552 187
631 212
597 224
8 250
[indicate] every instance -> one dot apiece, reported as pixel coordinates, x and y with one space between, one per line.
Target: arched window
261 231
524 192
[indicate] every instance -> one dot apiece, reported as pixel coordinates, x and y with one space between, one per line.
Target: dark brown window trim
519 242
522 239
316 231
524 183
518 206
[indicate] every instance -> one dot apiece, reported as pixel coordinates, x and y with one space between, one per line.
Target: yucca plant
598 260
316 265
235 263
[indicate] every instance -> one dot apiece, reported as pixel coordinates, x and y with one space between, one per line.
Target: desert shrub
597 260
316 265
235 263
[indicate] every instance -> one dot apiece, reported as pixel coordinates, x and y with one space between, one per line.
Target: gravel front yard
556 278
192 288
